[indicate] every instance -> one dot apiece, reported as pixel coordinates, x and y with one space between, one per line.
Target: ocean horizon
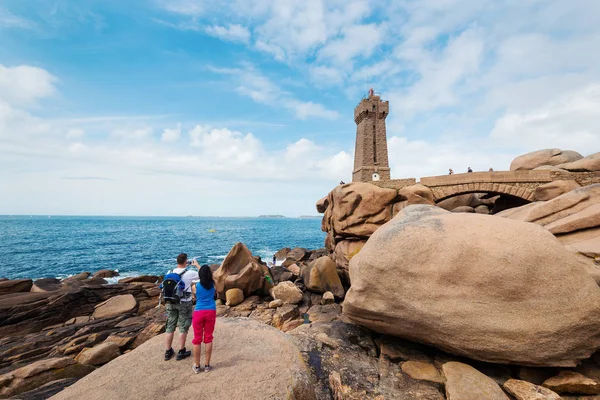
60 246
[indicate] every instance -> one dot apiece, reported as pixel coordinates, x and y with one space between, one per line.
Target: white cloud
9 20
75 133
137 133
570 122
357 40
171 135
185 7
251 83
231 32
308 109
324 75
24 85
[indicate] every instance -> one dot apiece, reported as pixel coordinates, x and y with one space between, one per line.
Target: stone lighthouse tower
371 153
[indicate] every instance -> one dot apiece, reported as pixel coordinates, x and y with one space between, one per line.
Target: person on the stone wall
469 169
450 171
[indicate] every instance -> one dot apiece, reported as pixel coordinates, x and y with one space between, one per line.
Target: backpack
173 287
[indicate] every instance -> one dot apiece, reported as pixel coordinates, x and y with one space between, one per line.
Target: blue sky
236 108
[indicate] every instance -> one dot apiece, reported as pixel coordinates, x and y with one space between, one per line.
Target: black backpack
173 287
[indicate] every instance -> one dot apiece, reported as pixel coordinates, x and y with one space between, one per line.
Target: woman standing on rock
204 318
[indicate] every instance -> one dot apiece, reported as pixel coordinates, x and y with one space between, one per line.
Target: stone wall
583 178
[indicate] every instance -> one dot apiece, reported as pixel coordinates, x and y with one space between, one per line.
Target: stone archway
444 192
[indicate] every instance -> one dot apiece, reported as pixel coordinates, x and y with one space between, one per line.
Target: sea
60 246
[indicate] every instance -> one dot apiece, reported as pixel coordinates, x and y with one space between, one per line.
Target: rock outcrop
590 163
464 382
358 209
554 189
522 390
42 331
321 276
99 355
241 270
243 353
117 305
574 217
287 292
15 286
486 292
546 157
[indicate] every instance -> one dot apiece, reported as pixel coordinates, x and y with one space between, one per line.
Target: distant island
271 216
310 217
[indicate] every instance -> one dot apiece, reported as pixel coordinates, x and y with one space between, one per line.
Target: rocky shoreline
52 338
454 305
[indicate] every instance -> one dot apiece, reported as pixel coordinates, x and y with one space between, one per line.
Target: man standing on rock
180 315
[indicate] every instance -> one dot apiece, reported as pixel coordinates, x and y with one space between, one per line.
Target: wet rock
106 273
282 253
76 279
141 279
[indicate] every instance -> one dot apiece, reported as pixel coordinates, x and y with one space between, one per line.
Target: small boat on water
212 230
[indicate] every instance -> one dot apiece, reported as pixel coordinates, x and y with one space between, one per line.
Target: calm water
60 246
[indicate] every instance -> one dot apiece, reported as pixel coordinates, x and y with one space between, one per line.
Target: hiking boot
181 354
207 368
196 369
168 354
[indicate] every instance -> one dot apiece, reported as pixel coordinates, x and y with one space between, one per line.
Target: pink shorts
203 322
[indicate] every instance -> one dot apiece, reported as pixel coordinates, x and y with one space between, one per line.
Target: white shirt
187 278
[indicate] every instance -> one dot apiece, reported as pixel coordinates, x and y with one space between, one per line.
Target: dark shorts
179 315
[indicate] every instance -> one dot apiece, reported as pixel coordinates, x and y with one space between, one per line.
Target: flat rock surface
464 382
250 361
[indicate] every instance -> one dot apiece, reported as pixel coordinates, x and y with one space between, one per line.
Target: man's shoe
169 354
196 369
181 354
207 368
